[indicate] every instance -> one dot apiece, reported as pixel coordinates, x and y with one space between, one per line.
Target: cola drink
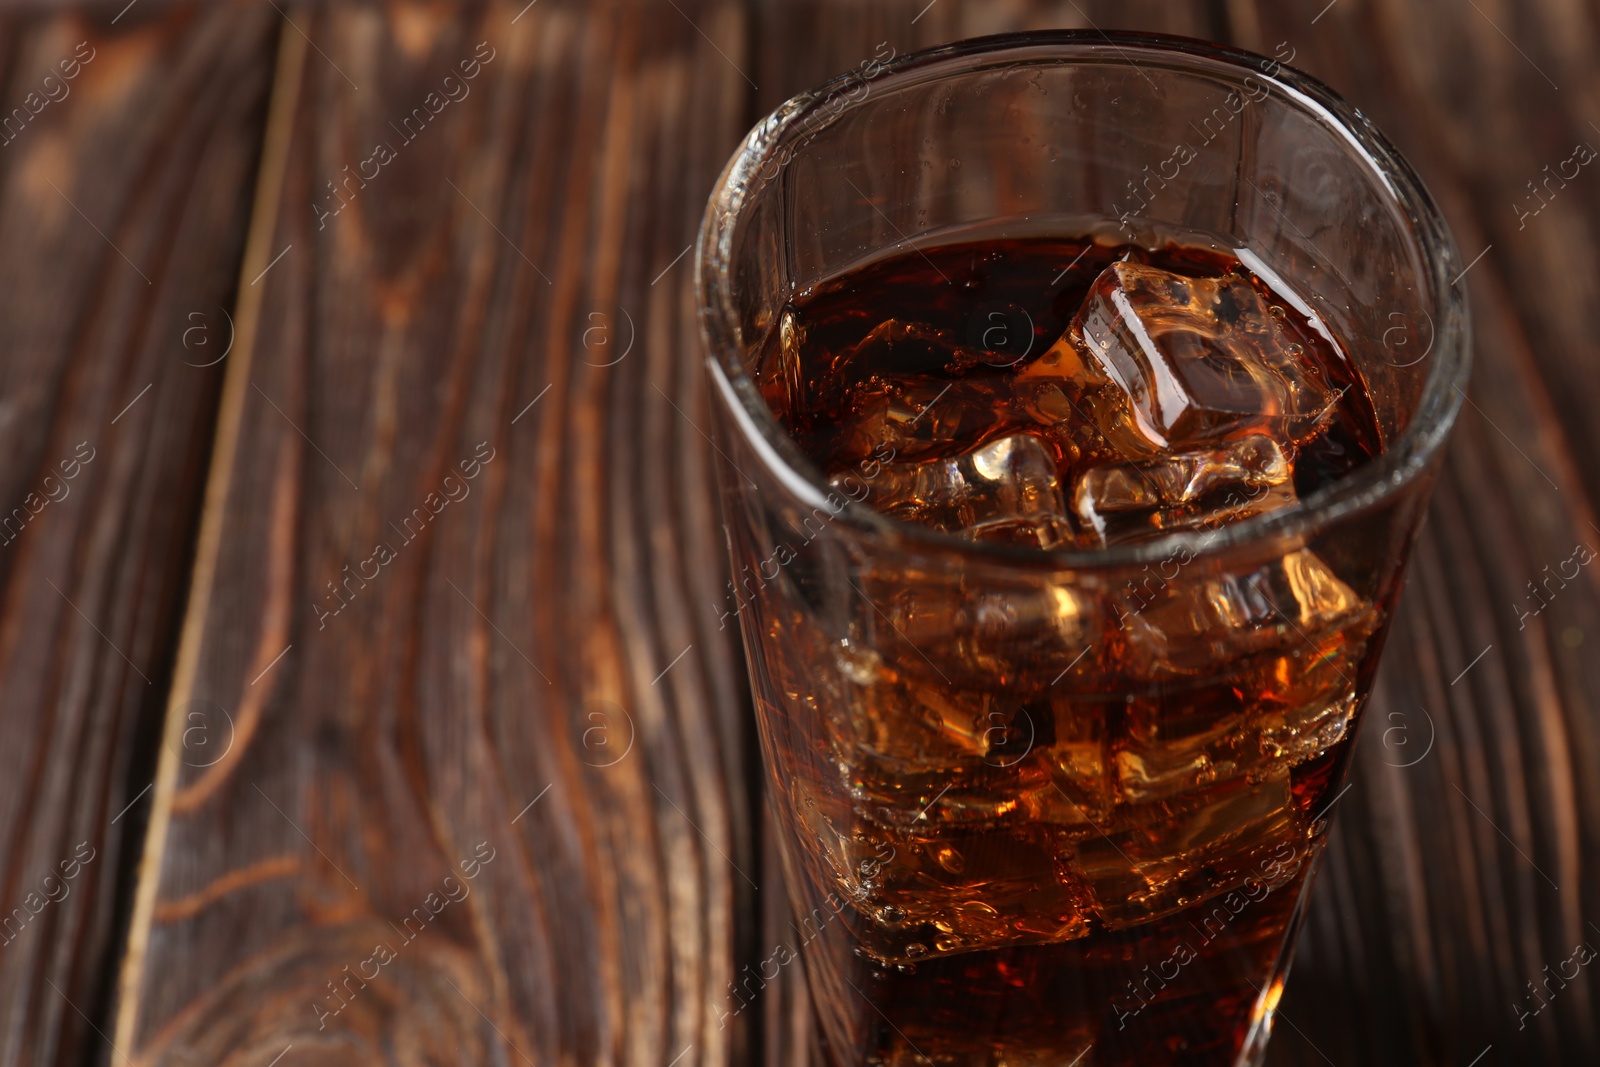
1045 815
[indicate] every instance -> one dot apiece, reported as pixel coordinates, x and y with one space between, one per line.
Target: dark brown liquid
937 352
1066 824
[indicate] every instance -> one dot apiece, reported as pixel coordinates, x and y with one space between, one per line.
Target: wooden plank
506 752
126 157
1457 876
539 618
801 44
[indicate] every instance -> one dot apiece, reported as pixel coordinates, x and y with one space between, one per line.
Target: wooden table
360 567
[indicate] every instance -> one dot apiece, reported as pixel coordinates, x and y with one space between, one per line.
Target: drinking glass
1062 807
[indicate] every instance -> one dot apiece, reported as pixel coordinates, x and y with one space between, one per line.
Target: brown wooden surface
550 638
121 218
530 631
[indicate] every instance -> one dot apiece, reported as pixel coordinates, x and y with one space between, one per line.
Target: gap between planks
286 82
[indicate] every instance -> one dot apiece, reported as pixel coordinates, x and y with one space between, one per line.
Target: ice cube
1183 741
921 752
1005 490
1200 488
1194 623
1159 855
963 891
911 417
1309 730
916 728
981 632
1072 747
835 841
1159 361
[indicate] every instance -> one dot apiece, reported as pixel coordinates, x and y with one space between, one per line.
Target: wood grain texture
550 638
506 753
126 159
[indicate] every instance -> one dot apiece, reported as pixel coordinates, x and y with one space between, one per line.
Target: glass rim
1376 481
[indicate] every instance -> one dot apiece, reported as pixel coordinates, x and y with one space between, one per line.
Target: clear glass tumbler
1062 807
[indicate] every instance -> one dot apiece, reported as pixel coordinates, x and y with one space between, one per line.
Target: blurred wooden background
241 348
